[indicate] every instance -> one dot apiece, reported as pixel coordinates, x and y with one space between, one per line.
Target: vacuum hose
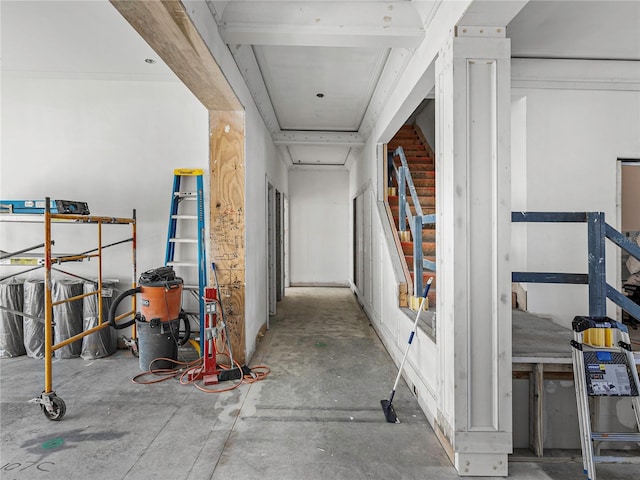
119 326
187 328
114 307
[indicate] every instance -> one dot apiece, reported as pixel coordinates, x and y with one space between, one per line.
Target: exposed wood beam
168 30
290 137
370 24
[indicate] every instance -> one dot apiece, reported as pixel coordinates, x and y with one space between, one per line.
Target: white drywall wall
574 138
320 232
113 144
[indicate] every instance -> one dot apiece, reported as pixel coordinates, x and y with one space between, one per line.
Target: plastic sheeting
34 328
11 333
103 342
67 316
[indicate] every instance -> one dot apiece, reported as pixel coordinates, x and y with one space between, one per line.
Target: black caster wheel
59 409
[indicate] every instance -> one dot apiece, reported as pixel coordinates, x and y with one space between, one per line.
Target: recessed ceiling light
320 95
149 60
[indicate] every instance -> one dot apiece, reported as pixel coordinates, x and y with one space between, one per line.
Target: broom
387 407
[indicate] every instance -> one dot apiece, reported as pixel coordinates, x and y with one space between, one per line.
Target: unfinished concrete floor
317 416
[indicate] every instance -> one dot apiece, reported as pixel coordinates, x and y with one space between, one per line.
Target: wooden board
227 242
167 28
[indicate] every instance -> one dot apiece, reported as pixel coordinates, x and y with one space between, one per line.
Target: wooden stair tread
407 247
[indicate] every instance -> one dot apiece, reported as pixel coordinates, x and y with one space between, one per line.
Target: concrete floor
317 416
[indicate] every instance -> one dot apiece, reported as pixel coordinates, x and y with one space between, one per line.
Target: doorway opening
275 246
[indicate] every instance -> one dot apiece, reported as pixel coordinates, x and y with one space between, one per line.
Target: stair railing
597 231
416 222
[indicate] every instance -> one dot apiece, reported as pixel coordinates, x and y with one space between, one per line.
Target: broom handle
413 331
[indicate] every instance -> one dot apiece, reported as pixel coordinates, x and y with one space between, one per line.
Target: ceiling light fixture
150 61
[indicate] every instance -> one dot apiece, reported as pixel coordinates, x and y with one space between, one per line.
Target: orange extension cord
184 370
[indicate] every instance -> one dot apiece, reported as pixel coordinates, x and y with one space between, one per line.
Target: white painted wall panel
320 233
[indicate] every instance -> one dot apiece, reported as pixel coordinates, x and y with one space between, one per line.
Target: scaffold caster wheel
56 409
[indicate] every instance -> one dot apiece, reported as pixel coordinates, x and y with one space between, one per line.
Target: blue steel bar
597 270
620 240
412 189
550 277
402 199
429 265
428 219
417 255
546 217
631 307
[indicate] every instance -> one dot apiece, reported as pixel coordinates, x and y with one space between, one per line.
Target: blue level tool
69 207
196 238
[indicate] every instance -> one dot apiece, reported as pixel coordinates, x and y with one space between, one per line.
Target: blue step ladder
603 366
181 222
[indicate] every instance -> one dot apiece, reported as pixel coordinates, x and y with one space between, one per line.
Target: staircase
422 167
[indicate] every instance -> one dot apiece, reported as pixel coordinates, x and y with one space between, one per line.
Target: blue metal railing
415 221
597 233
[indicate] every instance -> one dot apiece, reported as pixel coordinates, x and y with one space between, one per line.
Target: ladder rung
182 264
186 195
191 287
615 437
183 240
184 217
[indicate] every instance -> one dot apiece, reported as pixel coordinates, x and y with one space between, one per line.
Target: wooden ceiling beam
166 27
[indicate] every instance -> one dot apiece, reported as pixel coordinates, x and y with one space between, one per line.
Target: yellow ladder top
188 171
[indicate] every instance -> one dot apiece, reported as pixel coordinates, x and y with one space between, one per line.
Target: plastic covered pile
103 342
34 327
11 330
67 316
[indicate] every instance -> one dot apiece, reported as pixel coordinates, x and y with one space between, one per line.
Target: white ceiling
577 29
320 88
88 39
290 51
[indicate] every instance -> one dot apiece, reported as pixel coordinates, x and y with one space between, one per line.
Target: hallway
316 416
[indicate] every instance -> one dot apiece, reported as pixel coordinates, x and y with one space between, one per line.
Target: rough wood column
226 163
474 224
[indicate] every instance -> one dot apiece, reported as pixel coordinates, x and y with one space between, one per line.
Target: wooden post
536 409
227 180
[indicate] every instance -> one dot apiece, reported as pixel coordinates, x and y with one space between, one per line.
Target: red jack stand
209 370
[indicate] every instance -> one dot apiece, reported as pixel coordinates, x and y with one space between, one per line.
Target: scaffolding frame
53 406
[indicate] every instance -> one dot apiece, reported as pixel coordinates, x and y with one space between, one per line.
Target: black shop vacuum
158 321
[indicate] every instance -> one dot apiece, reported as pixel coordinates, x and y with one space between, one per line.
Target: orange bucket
162 302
